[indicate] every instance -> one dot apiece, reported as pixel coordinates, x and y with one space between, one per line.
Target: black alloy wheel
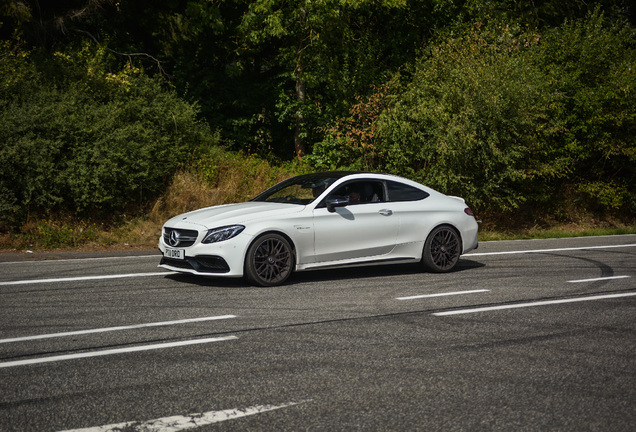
442 249
269 261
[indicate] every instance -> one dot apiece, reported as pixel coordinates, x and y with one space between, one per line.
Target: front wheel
441 250
269 261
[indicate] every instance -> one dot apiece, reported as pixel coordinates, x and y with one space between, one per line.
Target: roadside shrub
475 121
83 140
220 177
239 177
592 63
351 142
50 234
525 126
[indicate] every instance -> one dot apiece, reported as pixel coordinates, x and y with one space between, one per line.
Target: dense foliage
512 120
523 108
77 138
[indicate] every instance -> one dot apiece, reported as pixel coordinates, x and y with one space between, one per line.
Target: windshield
302 189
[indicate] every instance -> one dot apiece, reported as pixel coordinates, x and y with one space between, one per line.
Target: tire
442 249
269 261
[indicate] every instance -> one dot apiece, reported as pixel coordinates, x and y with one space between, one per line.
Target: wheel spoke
445 249
272 260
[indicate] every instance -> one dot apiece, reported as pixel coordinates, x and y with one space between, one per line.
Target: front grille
201 264
179 237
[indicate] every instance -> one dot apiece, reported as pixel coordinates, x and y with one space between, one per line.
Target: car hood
228 214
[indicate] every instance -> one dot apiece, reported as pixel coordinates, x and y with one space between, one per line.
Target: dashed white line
599 279
113 351
118 328
178 423
441 294
533 304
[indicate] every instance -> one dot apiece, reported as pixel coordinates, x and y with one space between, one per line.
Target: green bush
80 139
521 124
476 121
351 143
239 177
592 63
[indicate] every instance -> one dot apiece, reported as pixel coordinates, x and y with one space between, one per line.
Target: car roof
339 175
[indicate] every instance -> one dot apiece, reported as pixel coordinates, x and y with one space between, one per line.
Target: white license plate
175 253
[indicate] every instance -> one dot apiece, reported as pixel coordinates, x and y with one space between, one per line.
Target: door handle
386 212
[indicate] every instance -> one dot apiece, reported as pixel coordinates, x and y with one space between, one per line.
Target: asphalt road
526 336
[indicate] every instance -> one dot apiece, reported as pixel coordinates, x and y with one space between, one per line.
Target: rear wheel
442 249
269 260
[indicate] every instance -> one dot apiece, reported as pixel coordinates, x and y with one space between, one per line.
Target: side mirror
336 201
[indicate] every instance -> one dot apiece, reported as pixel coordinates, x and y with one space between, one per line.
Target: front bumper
200 264
225 258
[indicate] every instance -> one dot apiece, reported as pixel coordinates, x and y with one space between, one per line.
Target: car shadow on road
209 281
339 274
326 275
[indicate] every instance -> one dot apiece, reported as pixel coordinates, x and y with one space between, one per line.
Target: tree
328 51
592 62
518 122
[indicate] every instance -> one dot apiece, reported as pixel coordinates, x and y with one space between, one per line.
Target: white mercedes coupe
322 220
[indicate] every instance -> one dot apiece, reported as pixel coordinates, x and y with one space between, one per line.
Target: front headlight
221 234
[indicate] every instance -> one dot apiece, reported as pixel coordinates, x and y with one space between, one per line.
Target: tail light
468 211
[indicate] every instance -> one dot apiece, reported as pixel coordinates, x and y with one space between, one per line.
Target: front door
366 228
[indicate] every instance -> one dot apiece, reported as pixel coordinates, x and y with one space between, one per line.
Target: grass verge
143 232
221 178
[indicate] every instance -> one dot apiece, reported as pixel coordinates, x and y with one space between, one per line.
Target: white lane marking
119 328
547 250
179 423
532 304
441 294
599 279
53 260
85 278
113 351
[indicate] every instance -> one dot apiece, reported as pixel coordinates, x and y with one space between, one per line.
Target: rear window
403 192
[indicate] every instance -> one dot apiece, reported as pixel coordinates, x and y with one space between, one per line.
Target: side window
403 192
361 191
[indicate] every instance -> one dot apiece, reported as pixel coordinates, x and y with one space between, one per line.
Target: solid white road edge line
532 304
547 250
53 260
599 279
179 423
441 294
85 278
119 328
113 351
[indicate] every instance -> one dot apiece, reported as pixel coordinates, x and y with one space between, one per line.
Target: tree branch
129 55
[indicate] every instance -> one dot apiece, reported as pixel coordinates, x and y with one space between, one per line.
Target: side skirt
364 263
